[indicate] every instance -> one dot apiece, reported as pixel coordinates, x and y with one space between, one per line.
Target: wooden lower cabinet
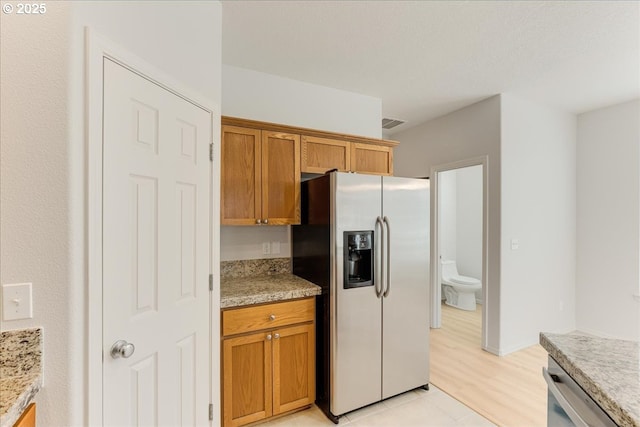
28 417
294 370
267 373
247 379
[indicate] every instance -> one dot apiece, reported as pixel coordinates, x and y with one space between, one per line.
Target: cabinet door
28 417
322 154
373 159
247 381
280 178
294 368
240 176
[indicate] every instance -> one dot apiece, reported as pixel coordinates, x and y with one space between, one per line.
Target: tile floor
432 408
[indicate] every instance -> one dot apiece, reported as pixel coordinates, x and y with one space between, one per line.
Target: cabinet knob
258 221
272 317
276 336
266 221
269 337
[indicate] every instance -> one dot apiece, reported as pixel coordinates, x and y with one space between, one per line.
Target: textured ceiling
427 58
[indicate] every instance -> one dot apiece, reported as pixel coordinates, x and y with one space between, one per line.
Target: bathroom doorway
459 239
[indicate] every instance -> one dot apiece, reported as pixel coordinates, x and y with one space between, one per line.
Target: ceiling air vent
391 123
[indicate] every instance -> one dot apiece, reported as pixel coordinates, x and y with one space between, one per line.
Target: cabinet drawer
248 319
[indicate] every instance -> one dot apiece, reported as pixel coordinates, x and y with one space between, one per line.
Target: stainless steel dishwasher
568 404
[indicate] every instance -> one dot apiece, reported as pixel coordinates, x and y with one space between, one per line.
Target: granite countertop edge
31 384
252 290
601 397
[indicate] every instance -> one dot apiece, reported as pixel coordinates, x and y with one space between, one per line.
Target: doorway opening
459 207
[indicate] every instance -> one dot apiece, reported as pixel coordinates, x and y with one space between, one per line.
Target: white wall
464 134
247 242
265 97
460 217
43 172
539 210
469 223
259 96
36 238
608 221
448 214
531 191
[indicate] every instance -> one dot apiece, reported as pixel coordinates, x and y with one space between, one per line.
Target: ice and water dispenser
358 259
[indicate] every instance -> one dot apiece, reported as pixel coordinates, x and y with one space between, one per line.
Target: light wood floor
507 390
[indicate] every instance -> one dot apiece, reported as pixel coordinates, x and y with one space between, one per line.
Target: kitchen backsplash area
254 267
254 242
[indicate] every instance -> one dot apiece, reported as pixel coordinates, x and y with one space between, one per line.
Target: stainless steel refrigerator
365 240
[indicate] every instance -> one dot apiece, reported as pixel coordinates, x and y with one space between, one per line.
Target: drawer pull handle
276 336
265 221
269 337
272 317
258 221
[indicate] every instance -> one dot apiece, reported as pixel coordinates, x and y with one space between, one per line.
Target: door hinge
211 282
210 411
211 152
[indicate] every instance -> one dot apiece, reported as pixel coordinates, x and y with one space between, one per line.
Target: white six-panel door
156 252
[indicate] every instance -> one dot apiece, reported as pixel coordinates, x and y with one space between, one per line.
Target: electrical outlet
266 248
275 248
16 301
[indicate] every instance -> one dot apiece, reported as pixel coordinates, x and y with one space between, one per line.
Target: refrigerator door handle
378 281
387 268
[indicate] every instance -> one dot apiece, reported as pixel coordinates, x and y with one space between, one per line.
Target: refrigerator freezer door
405 310
356 331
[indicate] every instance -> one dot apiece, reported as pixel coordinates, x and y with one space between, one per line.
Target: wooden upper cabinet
373 159
280 178
241 176
322 154
262 164
260 177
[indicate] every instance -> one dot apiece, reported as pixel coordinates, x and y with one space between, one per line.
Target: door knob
272 317
266 221
258 221
276 336
123 349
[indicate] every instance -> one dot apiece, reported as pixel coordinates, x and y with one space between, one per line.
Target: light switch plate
16 301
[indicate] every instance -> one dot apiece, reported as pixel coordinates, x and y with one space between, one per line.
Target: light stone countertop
20 372
239 291
607 369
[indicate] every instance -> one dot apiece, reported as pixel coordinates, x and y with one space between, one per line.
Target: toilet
459 291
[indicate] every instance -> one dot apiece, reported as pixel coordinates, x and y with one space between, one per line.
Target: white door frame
435 240
97 48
